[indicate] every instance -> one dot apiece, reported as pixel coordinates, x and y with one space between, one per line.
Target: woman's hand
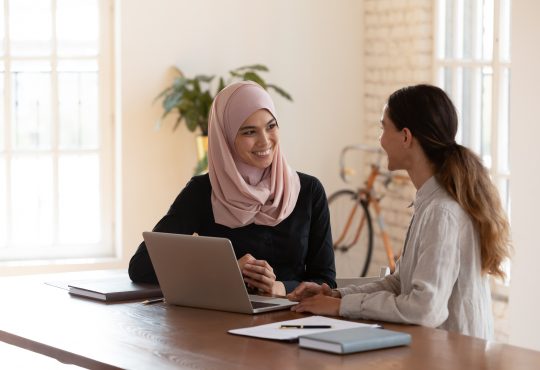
245 259
319 304
309 289
259 274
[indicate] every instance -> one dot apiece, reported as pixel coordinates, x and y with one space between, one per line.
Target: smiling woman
276 218
257 138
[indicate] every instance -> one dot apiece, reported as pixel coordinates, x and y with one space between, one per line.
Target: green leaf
191 117
171 101
204 78
178 121
196 86
280 91
164 92
185 104
221 84
236 74
179 83
252 76
253 67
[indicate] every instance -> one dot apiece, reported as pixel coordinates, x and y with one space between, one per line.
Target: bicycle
351 221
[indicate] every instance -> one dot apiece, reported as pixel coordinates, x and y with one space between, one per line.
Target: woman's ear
407 137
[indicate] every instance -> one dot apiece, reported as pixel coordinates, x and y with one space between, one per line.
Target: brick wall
397 52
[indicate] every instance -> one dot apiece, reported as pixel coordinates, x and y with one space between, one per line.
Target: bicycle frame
368 195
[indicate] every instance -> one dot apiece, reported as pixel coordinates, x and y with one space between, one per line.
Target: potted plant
190 99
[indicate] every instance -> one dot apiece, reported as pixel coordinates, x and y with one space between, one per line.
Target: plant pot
202 158
202 146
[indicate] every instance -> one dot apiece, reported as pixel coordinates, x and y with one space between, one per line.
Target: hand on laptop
259 274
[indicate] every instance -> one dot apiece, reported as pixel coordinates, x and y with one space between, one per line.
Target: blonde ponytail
467 180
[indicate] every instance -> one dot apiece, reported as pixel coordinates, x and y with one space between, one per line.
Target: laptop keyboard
255 304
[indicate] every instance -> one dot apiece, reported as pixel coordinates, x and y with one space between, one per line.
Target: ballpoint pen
305 326
152 301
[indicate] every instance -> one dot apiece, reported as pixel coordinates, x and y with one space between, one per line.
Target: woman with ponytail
459 234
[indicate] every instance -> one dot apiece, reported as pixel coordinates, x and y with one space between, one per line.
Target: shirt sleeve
182 218
319 264
434 274
390 283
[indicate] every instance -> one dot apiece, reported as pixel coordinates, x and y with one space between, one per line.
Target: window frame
499 167
58 253
500 176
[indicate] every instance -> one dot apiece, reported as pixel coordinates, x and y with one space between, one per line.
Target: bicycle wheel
354 242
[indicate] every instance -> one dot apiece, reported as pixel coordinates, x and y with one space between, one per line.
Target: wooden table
47 320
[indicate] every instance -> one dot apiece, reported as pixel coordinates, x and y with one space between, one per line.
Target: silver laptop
202 272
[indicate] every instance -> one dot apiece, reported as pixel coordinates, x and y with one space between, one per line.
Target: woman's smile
256 140
263 153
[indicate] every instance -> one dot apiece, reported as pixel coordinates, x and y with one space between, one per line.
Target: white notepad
274 331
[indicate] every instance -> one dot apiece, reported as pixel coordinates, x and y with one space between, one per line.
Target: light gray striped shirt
438 281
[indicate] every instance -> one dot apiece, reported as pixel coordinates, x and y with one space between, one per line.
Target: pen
152 301
305 326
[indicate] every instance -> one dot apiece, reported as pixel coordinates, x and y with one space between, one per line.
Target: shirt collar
425 191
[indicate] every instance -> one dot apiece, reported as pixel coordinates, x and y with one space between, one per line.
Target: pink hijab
243 194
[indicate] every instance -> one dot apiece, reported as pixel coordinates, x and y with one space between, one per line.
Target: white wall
312 47
524 321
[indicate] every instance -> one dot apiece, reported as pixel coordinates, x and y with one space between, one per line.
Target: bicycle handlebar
385 176
344 171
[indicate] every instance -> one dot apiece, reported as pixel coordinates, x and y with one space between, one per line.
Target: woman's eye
248 132
272 126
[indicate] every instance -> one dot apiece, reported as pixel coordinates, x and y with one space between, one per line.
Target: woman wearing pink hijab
277 219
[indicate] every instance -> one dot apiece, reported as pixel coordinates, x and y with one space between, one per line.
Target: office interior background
80 201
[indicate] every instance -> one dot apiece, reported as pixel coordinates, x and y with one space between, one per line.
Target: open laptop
202 272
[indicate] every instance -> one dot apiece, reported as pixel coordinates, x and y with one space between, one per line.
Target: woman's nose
263 138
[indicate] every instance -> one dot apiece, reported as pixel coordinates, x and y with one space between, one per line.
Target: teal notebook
354 340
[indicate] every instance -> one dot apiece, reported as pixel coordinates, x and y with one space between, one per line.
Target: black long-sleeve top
299 248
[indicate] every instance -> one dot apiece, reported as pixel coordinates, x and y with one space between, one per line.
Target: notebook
354 340
202 272
113 289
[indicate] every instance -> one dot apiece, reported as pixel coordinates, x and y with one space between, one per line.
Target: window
473 66
55 129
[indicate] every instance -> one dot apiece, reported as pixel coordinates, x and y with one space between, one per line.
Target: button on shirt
438 281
